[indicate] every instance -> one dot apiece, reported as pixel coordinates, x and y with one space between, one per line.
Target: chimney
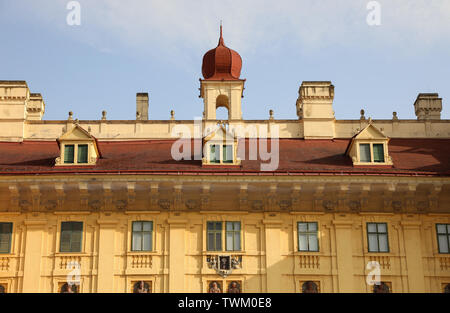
142 106
35 107
315 109
428 106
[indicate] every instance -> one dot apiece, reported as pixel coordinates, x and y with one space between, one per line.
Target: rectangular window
69 151
214 236
233 236
377 237
71 236
364 152
5 237
142 236
443 237
82 154
378 153
214 156
227 154
308 236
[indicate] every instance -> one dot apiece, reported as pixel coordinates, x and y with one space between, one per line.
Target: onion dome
221 63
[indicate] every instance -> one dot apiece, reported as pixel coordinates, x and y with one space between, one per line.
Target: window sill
225 252
308 253
131 253
71 254
371 165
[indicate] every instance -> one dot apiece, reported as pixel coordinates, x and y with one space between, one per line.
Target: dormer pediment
220 134
76 133
370 132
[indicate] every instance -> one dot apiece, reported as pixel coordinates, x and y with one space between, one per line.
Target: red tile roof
297 157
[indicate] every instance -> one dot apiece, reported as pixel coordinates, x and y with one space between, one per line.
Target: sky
124 47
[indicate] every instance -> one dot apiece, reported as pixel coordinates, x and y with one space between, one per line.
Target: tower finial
221 38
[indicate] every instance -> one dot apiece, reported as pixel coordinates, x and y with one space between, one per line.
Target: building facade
321 205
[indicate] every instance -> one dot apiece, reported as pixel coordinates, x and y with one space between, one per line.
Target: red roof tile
297 157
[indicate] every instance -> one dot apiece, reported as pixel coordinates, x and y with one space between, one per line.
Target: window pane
147 242
77 226
372 228
383 243
312 226
382 228
313 245
448 228
443 244
302 227
210 225
237 241
76 241
211 242
227 154
218 241
215 154
147 226
137 226
303 243
441 228
378 153
229 241
137 242
65 241
5 237
68 153
364 152
82 154
5 228
218 226
373 244
229 226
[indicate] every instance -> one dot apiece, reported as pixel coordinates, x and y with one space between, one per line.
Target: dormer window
369 147
220 148
221 154
77 147
80 151
371 152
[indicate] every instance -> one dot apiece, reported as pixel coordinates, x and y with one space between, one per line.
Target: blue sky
124 47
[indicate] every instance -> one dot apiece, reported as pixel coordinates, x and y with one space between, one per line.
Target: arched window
310 287
381 288
222 108
234 287
69 288
447 288
141 287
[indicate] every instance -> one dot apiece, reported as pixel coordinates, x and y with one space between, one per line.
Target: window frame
234 234
308 233
75 153
214 232
371 144
221 160
71 235
447 235
223 236
377 234
152 248
10 237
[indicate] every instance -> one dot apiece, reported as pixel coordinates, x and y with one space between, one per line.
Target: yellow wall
270 261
